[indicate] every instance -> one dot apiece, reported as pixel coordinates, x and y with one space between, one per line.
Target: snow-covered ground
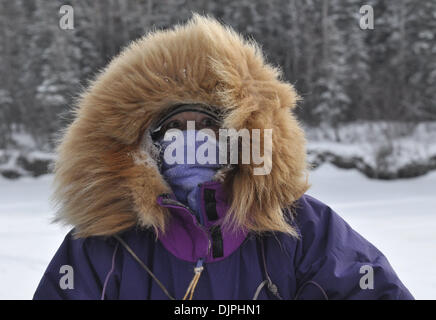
27 238
399 217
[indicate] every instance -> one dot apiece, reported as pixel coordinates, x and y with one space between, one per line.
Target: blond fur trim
105 177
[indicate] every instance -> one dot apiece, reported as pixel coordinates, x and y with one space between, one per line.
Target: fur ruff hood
106 178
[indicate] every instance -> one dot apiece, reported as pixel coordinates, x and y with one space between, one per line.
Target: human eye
208 122
173 124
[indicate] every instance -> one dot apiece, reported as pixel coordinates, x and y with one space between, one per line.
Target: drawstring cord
191 288
297 295
129 250
197 273
106 280
271 286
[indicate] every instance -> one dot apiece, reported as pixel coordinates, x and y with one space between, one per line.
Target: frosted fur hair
106 178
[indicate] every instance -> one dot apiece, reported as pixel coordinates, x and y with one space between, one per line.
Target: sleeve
77 271
334 262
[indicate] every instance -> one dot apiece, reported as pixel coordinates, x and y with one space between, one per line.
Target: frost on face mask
188 158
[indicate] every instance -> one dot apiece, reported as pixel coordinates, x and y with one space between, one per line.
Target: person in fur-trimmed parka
146 228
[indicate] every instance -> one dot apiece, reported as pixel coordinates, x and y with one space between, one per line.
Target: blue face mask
184 178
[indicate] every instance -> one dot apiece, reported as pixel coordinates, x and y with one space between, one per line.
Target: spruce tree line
342 72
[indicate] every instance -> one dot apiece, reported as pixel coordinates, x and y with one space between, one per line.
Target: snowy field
399 217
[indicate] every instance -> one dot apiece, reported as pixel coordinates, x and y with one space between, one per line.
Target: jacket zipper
168 201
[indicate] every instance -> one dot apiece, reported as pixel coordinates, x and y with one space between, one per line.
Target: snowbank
23 158
378 149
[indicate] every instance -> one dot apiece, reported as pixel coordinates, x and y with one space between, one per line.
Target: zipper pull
197 273
199 266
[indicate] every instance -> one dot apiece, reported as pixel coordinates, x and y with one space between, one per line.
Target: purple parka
329 260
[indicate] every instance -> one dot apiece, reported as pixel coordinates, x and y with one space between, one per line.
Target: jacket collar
190 240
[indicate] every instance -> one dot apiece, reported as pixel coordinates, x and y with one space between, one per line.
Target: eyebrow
209 110
188 108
